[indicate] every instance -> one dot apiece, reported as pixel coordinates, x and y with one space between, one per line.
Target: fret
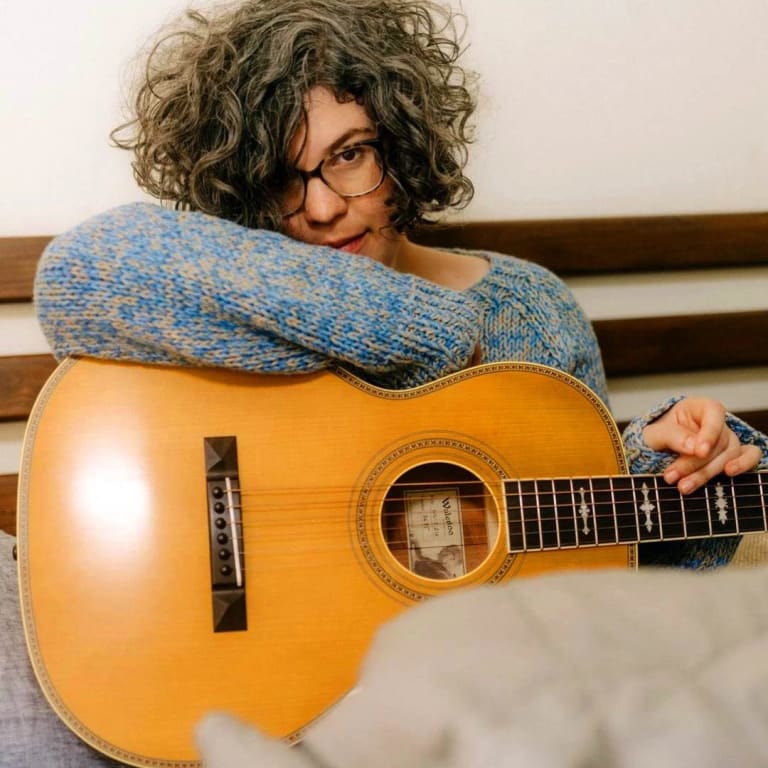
550 525
547 514
748 503
613 512
626 518
566 513
605 520
554 513
735 505
670 510
697 522
655 489
762 491
531 515
722 515
585 515
647 508
515 528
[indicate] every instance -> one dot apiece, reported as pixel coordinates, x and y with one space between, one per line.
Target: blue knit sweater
144 283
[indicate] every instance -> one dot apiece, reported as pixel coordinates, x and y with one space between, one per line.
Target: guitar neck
564 513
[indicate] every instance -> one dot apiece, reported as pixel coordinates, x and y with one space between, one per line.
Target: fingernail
686 486
689 445
672 476
704 449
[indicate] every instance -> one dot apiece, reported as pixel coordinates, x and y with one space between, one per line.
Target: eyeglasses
352 172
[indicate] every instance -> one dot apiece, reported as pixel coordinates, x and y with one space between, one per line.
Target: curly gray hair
222 94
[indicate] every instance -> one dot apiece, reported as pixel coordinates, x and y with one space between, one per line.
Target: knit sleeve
144 283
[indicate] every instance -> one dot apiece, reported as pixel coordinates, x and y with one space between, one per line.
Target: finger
669 435
749 457
711 427
692 476
685 465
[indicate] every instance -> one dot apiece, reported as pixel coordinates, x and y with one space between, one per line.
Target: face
354 224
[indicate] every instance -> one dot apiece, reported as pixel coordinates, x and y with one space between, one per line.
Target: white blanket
598 669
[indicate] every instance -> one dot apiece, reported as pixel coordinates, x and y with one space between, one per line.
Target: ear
225 742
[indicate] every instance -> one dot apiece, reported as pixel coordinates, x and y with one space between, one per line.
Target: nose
321 203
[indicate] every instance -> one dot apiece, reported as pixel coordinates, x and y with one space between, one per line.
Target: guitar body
115 556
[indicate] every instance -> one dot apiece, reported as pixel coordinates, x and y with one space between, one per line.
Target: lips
348 244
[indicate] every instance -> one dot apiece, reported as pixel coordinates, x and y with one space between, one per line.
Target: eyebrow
348 135
359 133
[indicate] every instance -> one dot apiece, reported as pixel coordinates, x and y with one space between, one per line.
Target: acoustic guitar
195 539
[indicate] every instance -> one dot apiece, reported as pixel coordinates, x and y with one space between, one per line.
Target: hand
695 429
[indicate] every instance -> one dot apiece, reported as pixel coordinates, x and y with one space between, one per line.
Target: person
295 145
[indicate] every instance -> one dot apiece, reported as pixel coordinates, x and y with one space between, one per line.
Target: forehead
329 124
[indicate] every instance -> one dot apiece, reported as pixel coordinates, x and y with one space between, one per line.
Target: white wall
601 107
588 108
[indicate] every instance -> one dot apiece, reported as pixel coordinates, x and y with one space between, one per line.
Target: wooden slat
18 261
8 503
638 346
621 244
21 378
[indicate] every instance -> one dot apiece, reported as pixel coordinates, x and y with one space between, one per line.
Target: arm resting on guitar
144 283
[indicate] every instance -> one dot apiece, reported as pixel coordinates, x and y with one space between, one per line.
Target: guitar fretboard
566 513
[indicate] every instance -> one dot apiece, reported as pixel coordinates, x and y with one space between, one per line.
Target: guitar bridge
225 534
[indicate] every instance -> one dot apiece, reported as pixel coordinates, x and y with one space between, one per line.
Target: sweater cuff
641 460
445 325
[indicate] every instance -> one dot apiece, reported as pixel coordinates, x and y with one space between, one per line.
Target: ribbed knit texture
144 283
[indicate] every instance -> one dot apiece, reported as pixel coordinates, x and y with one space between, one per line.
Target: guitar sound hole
437 521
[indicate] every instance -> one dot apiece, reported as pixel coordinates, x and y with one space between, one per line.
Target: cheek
293 227
376 205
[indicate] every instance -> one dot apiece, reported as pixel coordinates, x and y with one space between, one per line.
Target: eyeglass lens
352 172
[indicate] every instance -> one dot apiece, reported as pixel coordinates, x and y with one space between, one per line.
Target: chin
383 248
387 259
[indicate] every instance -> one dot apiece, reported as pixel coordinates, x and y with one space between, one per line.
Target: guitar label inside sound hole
438 521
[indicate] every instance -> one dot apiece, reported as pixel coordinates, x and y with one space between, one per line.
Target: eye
348 156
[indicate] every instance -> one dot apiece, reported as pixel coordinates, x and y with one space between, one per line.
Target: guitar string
744 479
625 514
629 525
622 512
749 496
590 486
478 551
597 482
254 561
632 522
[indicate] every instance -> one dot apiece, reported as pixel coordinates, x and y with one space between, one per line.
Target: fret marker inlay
584 510
721 504
647 507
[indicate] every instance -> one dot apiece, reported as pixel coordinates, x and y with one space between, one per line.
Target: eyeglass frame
317 173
